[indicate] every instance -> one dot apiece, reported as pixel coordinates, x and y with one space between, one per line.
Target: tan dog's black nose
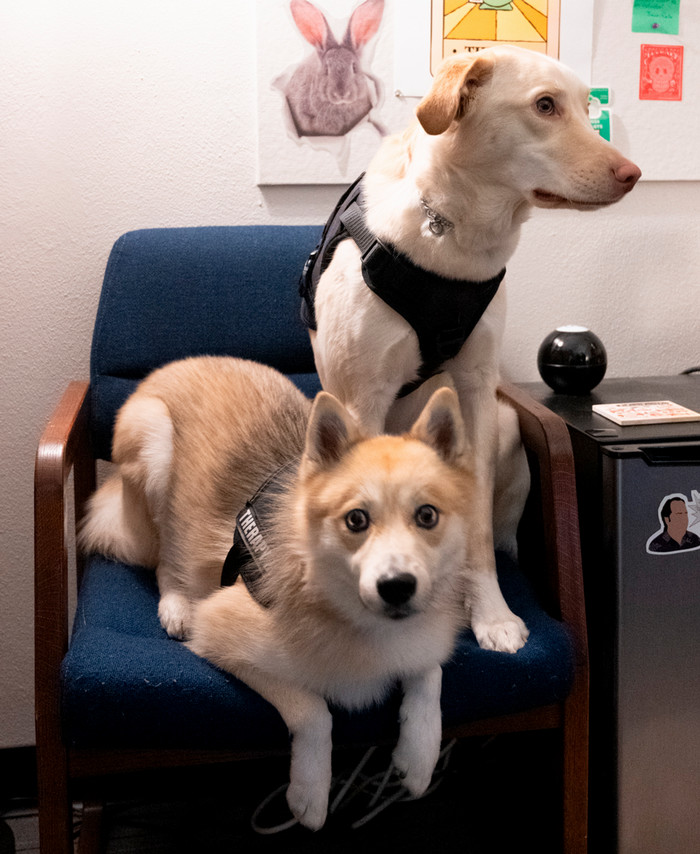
398 589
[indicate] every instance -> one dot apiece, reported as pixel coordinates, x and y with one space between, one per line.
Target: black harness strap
442 312
333 232
247 556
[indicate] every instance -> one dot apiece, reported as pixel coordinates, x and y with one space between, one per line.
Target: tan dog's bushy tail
117 524
121 517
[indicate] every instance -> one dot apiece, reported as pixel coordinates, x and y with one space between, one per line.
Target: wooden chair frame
64 447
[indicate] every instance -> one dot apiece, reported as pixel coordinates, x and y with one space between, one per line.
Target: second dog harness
442 312
246 557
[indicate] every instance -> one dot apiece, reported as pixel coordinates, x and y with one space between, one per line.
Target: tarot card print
661 73
459 26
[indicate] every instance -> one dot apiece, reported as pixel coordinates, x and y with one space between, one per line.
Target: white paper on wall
660 135
303 136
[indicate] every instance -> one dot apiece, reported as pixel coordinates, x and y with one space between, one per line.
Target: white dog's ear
454 84
440 425
330 432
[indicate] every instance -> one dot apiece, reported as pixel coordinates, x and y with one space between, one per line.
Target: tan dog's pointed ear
330 432
440 425
452 87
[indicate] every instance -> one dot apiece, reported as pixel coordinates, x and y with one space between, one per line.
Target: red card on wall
661 72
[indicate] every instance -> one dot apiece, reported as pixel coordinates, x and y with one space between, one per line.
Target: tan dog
363 555
498 133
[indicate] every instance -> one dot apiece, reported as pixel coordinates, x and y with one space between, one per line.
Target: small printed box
645 412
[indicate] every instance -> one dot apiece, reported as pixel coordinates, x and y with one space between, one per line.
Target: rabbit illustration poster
324 89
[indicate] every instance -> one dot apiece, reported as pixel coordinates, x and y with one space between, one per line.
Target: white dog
498 133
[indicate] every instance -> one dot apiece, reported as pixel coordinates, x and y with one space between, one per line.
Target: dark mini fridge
639 504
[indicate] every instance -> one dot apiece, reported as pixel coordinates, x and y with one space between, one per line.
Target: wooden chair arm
63 447
546 438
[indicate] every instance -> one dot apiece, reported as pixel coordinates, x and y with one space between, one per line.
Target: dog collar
248 555
442 312
437 224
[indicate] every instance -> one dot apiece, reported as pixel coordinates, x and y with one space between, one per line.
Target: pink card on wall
661 72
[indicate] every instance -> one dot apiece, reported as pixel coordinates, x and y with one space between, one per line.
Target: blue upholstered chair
114 693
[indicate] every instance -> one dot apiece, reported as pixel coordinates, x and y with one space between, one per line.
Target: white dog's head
519 113
383 520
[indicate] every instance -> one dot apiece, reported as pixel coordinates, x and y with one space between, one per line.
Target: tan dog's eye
357 520
545 106
427 516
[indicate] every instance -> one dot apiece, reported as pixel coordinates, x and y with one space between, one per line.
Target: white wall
122 114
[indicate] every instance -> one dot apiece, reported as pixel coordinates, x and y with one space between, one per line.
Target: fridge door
652 491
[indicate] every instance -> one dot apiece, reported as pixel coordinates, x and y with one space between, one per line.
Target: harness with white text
246 557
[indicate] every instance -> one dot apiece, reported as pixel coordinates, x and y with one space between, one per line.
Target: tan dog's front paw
507 635
416 771
308 803
174 611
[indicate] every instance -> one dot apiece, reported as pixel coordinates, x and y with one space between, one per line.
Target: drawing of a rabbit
329 92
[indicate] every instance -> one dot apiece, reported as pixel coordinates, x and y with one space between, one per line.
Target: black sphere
572 360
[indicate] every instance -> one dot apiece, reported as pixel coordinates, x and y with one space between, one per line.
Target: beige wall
140 113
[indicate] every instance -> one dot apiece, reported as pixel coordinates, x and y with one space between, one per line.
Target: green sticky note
656 16
601 124
600 95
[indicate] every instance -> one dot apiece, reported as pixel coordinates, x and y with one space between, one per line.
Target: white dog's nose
398 589
628 173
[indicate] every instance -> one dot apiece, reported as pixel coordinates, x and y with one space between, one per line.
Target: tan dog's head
521 118
383 519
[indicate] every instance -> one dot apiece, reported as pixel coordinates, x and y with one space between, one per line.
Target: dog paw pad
507 636
174 613
414 776
307 807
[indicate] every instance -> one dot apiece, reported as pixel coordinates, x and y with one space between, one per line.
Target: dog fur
499 132
367 544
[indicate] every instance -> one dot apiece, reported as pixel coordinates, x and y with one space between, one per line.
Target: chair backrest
169 293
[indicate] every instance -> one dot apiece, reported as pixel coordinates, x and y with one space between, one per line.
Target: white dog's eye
545 106
357 520
427 516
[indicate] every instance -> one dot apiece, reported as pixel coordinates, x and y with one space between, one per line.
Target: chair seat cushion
126 684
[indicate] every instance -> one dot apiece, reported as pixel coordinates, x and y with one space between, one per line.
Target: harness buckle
304 279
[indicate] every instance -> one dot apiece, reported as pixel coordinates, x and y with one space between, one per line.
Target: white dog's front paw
308 803
174 611
507 635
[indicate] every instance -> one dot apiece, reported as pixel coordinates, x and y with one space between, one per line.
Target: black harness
443 312
247 555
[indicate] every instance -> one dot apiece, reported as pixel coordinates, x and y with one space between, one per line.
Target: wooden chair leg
575 806
55 806
92 832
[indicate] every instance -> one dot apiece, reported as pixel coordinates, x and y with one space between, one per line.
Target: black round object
572 360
